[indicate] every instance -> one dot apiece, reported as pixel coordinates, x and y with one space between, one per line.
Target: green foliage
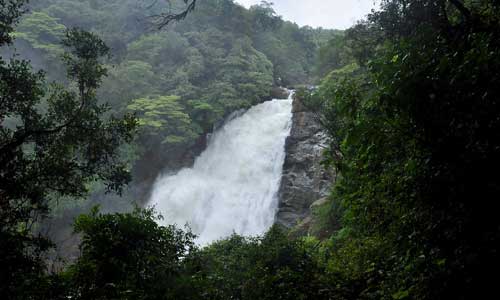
414 133
42 32
84 60
10 12
55 142
126 82
270 267
164 117
130 256
333 55
127 256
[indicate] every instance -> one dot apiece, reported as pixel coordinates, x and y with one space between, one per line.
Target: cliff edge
304 179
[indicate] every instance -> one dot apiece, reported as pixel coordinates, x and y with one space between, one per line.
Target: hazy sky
339 14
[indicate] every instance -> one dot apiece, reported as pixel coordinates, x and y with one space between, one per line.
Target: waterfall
233 185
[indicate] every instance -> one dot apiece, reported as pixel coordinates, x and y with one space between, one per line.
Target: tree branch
164 19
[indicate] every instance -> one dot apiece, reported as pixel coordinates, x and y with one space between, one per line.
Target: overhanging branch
164 19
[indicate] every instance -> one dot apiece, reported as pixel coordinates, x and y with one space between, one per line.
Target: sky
337 14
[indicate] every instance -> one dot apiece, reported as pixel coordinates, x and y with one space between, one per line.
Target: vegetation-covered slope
221 58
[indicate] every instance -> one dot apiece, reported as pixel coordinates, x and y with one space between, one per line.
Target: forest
98 98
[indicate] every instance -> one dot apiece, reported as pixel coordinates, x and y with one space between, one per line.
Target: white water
233 185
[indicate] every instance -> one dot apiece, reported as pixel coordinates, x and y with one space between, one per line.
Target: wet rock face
304 179
279 93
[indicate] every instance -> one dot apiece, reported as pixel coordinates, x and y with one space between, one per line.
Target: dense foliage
415 138
54 141
129 256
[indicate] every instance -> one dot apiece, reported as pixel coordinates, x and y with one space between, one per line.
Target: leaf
401 295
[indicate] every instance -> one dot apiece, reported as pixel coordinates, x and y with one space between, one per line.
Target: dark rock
304 180
279 93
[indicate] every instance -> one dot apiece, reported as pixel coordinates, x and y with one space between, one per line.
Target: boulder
279 93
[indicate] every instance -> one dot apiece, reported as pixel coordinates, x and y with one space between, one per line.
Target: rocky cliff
304 180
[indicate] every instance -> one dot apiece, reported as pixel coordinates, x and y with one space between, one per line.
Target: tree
265 17
53 142
334 55
165 118
269 267
128 256
128 81
42 32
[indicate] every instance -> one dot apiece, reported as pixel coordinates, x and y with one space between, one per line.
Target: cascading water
233 185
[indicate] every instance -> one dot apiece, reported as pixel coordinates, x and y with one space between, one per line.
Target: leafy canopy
54 141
